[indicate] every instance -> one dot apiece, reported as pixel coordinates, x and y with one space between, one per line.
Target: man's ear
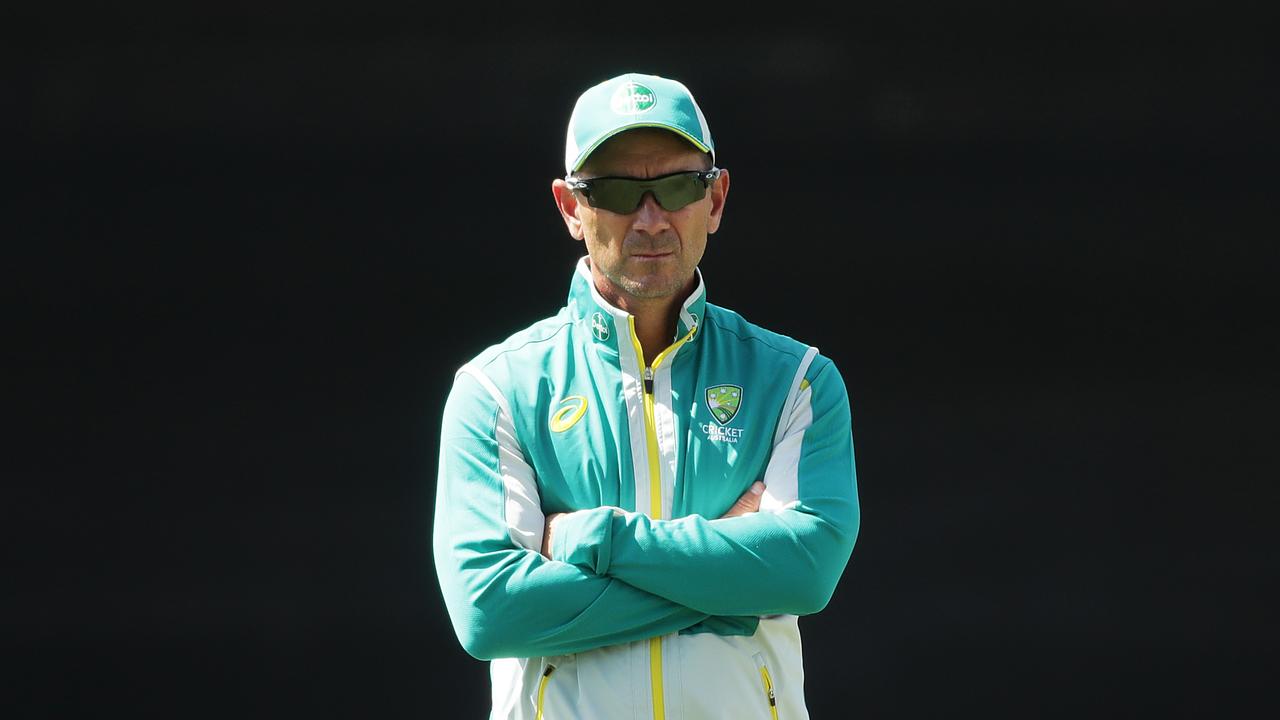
719 192
567 202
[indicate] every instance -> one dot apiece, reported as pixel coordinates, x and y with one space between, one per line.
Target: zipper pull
648 380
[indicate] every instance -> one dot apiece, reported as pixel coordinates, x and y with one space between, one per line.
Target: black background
245 251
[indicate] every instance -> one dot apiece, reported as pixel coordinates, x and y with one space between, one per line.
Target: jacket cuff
584 538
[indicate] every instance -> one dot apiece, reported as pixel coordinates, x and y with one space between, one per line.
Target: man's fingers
748 503
546 534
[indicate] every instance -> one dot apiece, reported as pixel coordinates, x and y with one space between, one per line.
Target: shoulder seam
521 346
479 375
760 340
793 394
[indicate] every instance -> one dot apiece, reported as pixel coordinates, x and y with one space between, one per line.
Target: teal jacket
646 587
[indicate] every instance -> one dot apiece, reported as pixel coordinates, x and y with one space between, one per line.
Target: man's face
650 253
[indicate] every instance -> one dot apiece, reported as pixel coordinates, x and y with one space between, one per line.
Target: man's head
644 240
628 101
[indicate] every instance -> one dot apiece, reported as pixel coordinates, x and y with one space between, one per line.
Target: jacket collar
607 324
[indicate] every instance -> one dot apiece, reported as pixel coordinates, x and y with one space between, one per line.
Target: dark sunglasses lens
677 191
615 195
623 196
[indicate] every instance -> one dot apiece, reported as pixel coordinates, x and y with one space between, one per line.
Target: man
638 496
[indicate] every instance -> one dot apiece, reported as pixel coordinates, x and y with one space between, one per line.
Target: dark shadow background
245 251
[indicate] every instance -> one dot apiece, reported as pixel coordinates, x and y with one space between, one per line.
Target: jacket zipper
655 491
542 688
767 681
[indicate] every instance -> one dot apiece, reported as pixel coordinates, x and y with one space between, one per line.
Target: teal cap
630 101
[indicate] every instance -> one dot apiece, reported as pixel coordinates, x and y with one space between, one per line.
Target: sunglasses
622 195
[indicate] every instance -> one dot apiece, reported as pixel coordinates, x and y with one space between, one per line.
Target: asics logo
571 410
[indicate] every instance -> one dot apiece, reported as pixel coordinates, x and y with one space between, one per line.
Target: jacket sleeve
785 559
503 597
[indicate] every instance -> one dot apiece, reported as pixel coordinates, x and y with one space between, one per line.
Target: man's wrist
584 538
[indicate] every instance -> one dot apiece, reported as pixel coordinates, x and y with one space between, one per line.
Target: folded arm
787 558
503 597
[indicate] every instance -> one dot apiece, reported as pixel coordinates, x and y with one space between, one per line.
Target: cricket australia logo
632 99
599 327
723 401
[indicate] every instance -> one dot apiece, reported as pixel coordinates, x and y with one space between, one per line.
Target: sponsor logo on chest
599 327
568 413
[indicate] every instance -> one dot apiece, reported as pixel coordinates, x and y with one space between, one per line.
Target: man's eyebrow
633 177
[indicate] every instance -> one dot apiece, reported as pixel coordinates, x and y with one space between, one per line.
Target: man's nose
650 217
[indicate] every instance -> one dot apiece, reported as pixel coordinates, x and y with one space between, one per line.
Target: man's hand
748 503
546 534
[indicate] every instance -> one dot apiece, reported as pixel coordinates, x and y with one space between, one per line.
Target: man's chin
652 288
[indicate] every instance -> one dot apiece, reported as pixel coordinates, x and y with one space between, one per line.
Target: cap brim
582 156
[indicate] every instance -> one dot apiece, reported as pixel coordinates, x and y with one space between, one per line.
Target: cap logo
632 98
